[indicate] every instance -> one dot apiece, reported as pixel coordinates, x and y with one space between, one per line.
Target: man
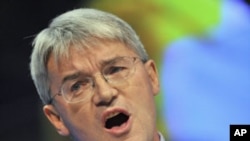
95 78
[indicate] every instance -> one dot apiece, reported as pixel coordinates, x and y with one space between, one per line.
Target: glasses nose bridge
98 76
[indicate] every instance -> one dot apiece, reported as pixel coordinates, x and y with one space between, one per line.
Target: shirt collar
161 137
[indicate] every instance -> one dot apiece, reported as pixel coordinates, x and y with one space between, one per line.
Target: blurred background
201 48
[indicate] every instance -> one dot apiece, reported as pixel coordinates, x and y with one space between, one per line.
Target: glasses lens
77 90
80 89
119 70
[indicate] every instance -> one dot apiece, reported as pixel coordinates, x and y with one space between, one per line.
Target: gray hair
84 27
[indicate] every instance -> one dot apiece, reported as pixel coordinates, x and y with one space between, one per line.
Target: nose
105 94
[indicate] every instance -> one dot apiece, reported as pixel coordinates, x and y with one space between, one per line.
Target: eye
113 70
79 85
75 87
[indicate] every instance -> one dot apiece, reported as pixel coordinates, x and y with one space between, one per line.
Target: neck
156 136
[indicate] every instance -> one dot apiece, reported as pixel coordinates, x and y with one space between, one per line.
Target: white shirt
161 137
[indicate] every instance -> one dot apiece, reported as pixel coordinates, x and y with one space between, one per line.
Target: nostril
105 102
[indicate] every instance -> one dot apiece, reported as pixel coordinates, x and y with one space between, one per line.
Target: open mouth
116 120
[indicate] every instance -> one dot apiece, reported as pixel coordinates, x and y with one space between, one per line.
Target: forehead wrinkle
90 60
87 59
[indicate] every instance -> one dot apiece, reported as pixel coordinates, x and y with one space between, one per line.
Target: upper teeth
112 115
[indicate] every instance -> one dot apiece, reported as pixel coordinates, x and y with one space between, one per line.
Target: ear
153 75
55 119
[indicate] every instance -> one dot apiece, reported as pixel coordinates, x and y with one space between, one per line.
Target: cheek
141 86
81 121
142 104
77 115
141 94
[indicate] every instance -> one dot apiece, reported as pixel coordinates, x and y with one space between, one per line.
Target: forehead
102 51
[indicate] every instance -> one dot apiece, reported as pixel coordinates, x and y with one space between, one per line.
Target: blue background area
206 79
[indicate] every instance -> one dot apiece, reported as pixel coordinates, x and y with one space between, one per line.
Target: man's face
113 112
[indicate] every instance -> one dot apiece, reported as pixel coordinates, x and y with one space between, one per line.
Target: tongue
116 121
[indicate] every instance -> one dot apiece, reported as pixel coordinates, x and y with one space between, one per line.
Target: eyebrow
77 74
71 77
105 62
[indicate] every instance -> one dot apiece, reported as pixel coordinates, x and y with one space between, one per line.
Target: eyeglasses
115 72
